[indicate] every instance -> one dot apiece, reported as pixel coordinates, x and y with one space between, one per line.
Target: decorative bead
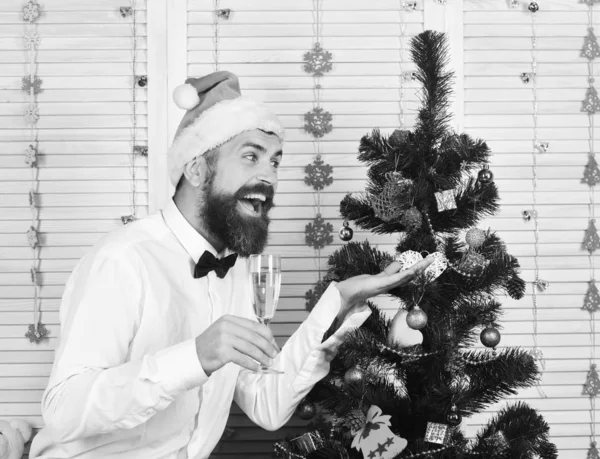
346 233
417 318
453 417
534 7
490 337
485 175
306 410
141 81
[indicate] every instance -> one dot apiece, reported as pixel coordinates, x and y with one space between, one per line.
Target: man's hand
237 340
360 288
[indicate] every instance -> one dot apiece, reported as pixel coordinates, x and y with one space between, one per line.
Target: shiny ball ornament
354 375
453 419
412 219
400 334
475 238
490 337
346 233
485 176
417 318
306 410
186 96
534 7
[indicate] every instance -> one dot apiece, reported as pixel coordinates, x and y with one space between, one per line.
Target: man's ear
194 171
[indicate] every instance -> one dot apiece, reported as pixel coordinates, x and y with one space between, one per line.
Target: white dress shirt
126 380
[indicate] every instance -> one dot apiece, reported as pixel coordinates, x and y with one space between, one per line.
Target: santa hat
216 113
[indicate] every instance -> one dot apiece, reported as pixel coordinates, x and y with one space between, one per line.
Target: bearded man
158 334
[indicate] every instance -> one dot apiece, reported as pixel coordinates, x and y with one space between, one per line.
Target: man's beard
242 234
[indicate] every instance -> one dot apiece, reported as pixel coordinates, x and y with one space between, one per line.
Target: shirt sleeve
93 387
270 400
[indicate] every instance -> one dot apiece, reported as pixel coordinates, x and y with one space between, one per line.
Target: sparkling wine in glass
265 281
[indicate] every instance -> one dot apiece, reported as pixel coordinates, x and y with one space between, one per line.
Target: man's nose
268 175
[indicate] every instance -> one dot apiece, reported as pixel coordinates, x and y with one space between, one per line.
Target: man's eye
251 157
275 164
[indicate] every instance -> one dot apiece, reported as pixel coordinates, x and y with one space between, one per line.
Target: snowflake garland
32 114
31 155
317 61
31 82
318 174
31 12
32 40
318 233
318 122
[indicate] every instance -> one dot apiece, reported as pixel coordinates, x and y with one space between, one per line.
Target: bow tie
208 262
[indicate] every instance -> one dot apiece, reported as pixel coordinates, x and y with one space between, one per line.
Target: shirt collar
192 241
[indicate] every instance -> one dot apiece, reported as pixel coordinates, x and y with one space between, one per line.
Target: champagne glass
265 281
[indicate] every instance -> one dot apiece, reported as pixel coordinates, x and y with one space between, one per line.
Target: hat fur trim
216 126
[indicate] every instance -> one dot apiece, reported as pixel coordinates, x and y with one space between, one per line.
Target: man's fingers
245 362
395 266
256 327
264 344
251 350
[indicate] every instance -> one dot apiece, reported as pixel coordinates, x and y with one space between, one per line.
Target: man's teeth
260 197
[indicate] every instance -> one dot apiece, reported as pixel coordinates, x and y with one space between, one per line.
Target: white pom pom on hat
186 96
219 114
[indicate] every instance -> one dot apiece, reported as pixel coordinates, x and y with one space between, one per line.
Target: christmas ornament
590 49
541 284
534 7
355 420
472 263
32 39
393 199
34 276
542 147
412 219
32 114
445 200
29 83
409 5
591 173
376 439
416 318
591 103
140 150
125 11
312 296
400 334
32 237
31 155
317 61
526 215
437 433
475 238
318 174
224 13
460 382
36 333
141 80
433 271
485 175
318 233
186 96
409 75
591 240
354 375
490 337
592 382
306 410
514 3
31 199
31 11
591 300
593 452
526 77
318 122
125 219
346 232
453 417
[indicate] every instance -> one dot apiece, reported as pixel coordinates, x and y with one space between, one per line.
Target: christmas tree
400 388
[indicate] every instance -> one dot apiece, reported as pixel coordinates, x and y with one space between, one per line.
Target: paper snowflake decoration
591 240
32 39
591 301
591 173
318 233
31 82
317 61
318 122
313 295
31 156
36 333
31 11
318 174
32 237
593 451
591 103
32 114
445 200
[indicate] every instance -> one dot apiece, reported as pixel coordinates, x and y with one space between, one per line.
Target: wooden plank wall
85 62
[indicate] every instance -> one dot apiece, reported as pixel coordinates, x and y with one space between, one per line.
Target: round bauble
490 337
485 175
534 7
401 334
186 96
453 419
354 375
417 318
475 238
412 219
306 410
346 233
